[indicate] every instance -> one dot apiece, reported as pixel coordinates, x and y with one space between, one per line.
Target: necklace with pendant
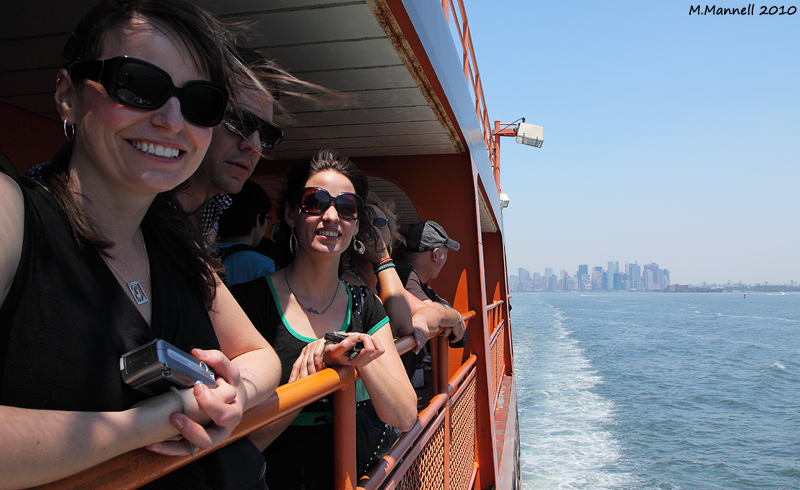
136 288
308 308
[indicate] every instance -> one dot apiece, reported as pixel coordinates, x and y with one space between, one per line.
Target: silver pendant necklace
136 288
307 308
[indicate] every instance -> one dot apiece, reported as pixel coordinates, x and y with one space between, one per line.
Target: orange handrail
139 467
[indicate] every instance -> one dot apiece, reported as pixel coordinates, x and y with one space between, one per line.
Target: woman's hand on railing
309 361
348 352
210 414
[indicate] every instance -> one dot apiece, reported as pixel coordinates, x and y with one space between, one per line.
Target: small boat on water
415 121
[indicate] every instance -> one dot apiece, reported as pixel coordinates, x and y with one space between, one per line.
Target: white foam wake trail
563 424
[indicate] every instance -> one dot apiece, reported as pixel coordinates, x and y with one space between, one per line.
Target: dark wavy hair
252 201
212 46
296 182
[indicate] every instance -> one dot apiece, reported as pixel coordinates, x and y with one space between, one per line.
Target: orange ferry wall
27 138
496 285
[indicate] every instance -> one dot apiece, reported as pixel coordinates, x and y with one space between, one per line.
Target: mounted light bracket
530 134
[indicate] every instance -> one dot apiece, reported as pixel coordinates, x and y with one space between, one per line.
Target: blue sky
668 138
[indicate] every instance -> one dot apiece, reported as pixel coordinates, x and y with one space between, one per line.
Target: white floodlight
504 200
530 134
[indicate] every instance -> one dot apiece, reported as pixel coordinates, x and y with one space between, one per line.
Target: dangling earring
69 138
358 246
293 243
390 250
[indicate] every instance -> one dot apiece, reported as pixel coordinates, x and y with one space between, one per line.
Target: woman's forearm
394 399
393 296
41 446
260 371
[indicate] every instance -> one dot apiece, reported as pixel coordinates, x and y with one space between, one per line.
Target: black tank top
66 320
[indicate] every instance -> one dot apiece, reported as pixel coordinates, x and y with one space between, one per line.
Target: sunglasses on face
141 85
315 201
269 134
379 222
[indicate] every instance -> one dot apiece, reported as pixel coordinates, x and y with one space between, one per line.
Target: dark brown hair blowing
211 44
296 182
208 40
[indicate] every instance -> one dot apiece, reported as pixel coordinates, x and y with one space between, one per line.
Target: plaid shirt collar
209 215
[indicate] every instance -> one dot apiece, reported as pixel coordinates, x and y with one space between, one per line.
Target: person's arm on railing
383 375
248 378
60 443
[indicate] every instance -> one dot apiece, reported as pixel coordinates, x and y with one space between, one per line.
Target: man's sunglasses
269 134
141 85
379 222
315 201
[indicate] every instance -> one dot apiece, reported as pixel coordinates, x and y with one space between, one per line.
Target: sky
668 138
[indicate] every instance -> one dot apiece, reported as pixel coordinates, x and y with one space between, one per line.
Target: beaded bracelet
383 268
382 263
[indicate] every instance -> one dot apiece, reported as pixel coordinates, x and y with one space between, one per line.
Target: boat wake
564 426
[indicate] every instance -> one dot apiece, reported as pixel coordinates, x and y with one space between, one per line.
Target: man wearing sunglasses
236 147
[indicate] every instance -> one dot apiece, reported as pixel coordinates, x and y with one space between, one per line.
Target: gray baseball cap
424 236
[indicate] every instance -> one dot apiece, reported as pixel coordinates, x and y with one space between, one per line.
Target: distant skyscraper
583 271
653 269
613 267
548 271
537 281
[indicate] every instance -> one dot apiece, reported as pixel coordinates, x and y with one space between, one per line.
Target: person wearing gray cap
426 248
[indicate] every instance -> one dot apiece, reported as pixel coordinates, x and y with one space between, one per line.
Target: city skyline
516 275
633 276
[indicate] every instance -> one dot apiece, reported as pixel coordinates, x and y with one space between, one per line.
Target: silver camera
157 365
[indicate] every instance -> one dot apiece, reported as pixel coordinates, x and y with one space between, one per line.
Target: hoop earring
358 246
293 243
69 138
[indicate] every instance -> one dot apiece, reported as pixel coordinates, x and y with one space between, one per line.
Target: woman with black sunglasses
321 209
97 260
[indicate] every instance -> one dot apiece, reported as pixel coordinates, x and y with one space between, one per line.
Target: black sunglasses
315 201
269 134
141 85
379 222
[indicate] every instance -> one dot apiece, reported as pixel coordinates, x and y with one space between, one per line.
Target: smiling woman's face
121 144
327 233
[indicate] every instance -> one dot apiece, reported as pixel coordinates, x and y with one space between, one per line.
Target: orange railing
458 21
136 468
439 452
496 346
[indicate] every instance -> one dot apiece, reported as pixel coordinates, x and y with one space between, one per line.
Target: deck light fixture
530 134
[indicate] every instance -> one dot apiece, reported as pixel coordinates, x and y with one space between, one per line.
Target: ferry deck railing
440 446
454 10
497 341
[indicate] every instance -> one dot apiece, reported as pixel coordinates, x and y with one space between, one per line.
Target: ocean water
658 391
